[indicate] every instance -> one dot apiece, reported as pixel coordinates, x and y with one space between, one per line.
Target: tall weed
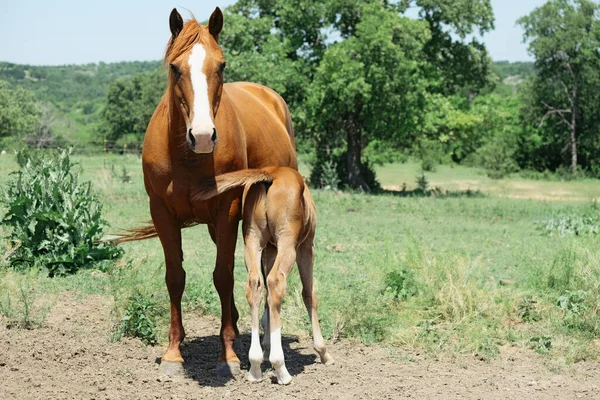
56 221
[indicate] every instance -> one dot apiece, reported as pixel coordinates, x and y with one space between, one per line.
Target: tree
19 112
130 104
370 85
340 78
458 66
564 38
254 54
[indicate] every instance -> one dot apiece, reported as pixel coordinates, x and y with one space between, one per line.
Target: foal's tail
220 184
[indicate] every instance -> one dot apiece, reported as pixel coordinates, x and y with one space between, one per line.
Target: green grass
477 273
460 178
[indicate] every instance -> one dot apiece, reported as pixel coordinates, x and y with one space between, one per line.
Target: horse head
196 64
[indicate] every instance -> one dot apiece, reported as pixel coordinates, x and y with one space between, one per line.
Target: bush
56 221
401 283
431 154
329 176
322 172
497 158
422 183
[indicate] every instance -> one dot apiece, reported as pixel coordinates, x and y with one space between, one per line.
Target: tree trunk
353 164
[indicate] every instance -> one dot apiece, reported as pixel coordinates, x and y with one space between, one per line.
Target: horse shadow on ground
200 355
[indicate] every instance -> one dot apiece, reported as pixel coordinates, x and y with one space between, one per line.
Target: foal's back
283 211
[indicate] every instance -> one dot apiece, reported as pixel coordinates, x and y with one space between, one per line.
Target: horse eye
222 67
175 71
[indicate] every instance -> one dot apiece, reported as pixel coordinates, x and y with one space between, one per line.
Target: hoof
327 359
254 377
229 368
285 379
282 374
169 370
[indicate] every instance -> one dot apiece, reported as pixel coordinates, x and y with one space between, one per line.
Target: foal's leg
226 232
306 257
169 233
276 282
268 260
253 295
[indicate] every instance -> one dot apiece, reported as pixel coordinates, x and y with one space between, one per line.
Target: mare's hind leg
276 283
268 259
305 259
252 256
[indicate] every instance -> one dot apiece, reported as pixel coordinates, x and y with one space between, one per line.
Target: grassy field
447 274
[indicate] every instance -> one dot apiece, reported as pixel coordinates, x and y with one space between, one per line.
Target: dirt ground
73 358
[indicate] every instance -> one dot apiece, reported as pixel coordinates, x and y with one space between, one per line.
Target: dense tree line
367 84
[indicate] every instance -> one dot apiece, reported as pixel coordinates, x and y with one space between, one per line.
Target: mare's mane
193 32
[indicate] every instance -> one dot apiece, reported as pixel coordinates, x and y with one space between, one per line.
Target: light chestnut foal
283 214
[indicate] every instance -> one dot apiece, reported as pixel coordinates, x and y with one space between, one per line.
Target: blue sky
55 32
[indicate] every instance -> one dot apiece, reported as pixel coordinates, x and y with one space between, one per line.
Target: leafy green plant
422 182
573 302
541 344
20 303
125 177
401 284
325 164
567 225
56 221
488 349
528 310
140 319
329 176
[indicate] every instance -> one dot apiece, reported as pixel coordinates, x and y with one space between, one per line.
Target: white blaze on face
202 125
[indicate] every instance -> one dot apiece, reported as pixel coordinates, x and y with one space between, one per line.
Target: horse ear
175 23
215 23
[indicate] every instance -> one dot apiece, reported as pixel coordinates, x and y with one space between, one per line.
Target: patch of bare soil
73 358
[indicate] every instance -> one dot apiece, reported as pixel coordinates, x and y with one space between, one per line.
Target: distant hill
511 76
507 70
76 93
68 84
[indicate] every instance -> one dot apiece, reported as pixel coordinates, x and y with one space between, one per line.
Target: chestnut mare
200 129
281 212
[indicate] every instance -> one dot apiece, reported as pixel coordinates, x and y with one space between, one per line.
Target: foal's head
196 66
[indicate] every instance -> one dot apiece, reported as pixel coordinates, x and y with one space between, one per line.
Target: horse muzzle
202 143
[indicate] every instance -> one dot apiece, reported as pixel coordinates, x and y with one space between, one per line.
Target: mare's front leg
226 235
169 232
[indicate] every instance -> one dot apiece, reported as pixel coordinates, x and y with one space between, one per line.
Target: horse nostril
214 135
192 138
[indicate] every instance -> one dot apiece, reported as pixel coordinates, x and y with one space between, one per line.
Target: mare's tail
147 231
206 190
